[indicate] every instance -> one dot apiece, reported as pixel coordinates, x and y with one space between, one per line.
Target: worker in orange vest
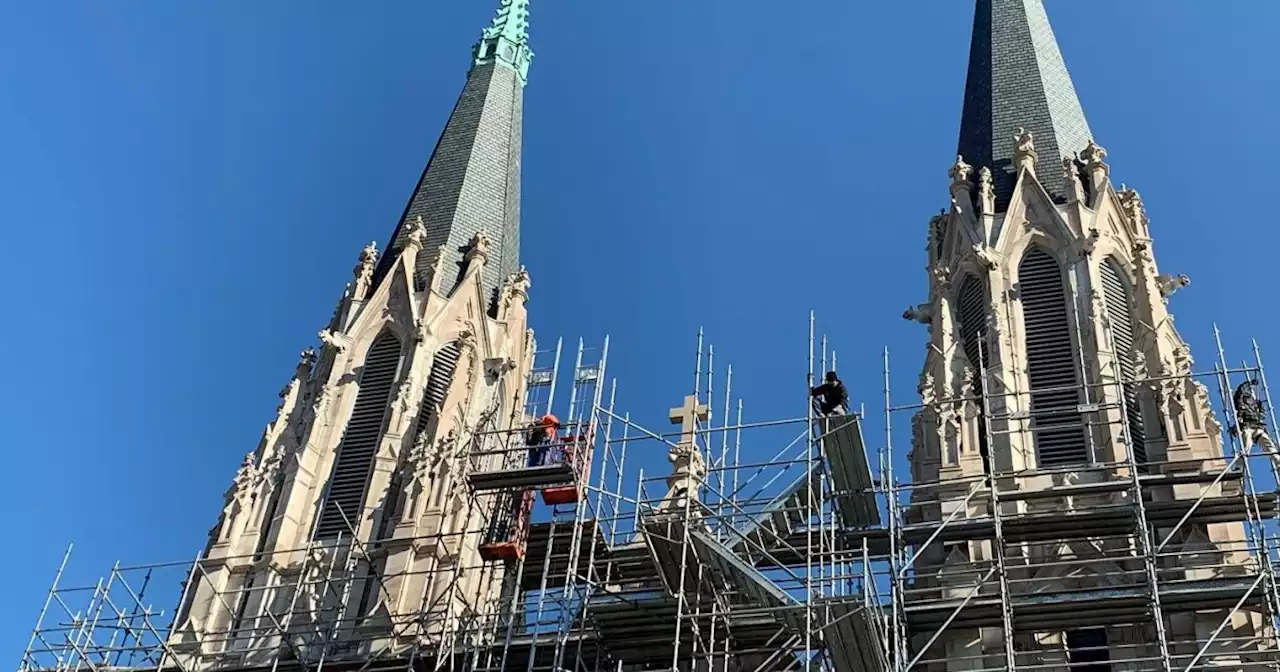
540 437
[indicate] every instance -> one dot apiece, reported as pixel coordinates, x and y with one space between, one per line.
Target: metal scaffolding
798 548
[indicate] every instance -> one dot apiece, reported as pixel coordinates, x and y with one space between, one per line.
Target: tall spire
506 40
1017 79
471 184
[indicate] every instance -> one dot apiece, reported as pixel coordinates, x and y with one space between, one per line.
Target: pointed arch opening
1056 424
1119 309
971 308
354 462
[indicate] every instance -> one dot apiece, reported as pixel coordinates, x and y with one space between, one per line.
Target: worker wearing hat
832 396
540 436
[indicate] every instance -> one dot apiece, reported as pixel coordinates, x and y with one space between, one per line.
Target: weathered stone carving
986 192
416 233
1024 150
922 313
987 257
1170 284
332 339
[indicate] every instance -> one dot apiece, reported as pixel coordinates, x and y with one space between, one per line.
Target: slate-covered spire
1017 79
472 181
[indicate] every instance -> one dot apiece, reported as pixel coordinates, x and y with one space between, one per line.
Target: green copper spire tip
506 40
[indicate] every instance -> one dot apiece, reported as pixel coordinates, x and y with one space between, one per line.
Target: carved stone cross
687 416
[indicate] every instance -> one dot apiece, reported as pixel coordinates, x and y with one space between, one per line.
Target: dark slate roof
1017 78
472 182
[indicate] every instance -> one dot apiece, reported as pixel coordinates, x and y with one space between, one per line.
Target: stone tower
356 474
1053 363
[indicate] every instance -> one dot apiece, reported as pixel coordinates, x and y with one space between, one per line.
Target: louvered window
1120 316
438 382
354 463
972 304
1051 369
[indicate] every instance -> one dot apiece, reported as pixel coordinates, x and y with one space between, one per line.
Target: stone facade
359 475
1053 371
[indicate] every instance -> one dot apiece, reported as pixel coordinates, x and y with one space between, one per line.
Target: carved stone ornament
306 359
922 313
499 366
416 233
1024 149
1090 242
333 339
960 172
1170 284
926 388
478 247
437 269
421 330
986 256
986 191
1132 205
1093 155
940 277
368 259
245 477
1069 172
404 394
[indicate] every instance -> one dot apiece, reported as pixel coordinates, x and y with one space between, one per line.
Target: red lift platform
573 452
508 533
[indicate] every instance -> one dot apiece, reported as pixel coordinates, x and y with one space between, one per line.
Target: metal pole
1002 569
53 588
808 527
555 371
890 489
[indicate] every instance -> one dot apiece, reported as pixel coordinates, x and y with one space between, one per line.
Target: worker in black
832 396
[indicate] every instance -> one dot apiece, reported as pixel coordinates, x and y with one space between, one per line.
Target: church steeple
471 185
1017 79
506 40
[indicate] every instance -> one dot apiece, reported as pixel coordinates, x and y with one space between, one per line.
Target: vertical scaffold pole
27 661
997 519
891 492
1146 541
808 521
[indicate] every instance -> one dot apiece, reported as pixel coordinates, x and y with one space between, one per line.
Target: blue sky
185 187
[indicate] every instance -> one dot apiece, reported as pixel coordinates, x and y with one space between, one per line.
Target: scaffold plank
846 455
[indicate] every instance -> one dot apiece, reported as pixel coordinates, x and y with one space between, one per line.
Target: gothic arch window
1119 312
971 309
439 380
1051 362
354 462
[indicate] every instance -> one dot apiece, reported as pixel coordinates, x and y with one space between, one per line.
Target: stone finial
515 289
1071 173
363 271
960 173
1095 167
306 359
1170 284
1093 156
416 233
437 270
1132 205
245 477
922 313
478 248
1024 150
986 192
